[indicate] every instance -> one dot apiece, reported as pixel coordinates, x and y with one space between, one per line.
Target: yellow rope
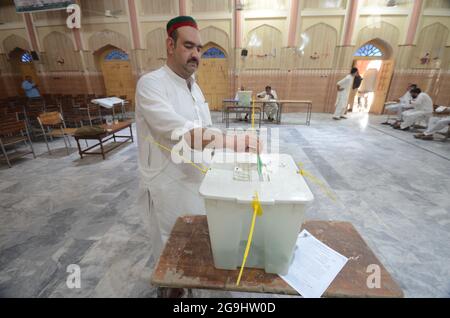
257 211
324 188
201 169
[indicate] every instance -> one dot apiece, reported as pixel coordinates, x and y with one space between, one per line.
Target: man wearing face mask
170 108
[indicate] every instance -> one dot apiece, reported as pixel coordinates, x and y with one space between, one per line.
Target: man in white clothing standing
344 87
171 110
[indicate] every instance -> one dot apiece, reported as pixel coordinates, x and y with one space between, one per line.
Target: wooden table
104 137
242 110
283 102
111 103
233 103
186 262
229 102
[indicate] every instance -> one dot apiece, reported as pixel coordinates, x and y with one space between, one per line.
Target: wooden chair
33 108
56 127
12 132
127 105
70 111
90 113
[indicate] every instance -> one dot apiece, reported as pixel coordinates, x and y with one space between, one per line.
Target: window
369 50
26 58
213 53
116 55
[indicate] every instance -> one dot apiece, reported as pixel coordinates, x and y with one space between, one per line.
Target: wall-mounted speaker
35 56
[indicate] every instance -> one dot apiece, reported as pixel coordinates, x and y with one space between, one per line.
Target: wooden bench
102 138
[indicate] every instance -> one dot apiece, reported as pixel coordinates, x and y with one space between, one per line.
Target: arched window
369 50
213 53
116 55
26 58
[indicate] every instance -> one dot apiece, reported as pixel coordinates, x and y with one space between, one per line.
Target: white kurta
270 108
342 96
437 124
402 105
164 103
423 109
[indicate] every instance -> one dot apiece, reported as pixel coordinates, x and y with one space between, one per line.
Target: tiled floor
59 210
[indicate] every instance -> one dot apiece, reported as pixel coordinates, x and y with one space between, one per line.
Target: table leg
223 111
131 134
309 114
101 147
279 113
79 148
260 118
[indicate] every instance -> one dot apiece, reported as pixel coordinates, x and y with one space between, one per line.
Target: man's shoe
427 137
165 292
419 136
343 117
336 118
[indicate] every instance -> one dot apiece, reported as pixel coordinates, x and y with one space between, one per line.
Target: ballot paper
314 267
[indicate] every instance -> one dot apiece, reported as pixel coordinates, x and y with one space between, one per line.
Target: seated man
435 125
236 97
30 88
423 109
403 103
270 108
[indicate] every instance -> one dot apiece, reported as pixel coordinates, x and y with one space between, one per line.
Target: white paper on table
108 102
314 267
441 109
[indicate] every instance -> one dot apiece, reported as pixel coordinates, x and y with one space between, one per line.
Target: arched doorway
117 72
375 64
22 61
212 75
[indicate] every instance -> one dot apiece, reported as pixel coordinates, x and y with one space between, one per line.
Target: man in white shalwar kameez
404 102
270 109
422 109
344 86
436 124
169 104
